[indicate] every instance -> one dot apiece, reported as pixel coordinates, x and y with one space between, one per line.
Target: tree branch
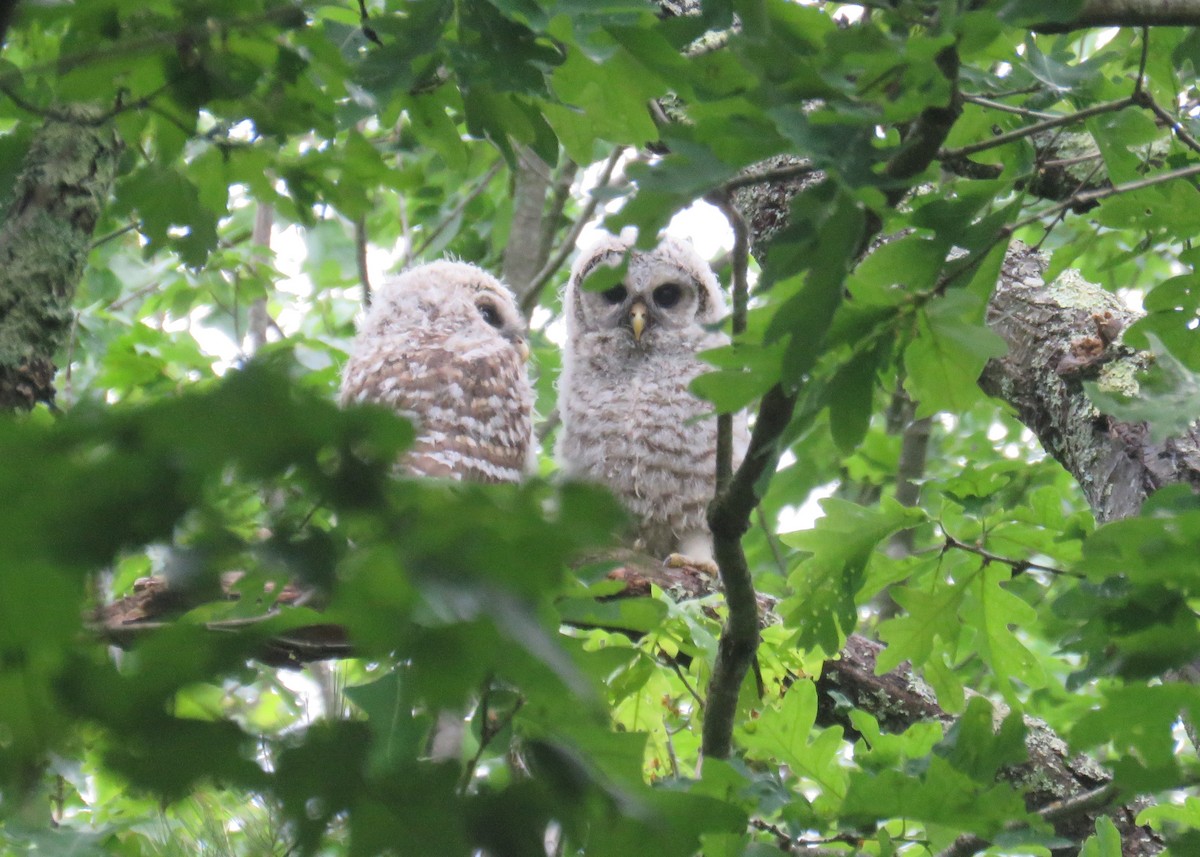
1036 128
259 319
360 258
740 263
1129 13
524 255
530 299
728 519
1046 325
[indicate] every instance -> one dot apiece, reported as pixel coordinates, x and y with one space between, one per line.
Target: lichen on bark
1055 343
45 235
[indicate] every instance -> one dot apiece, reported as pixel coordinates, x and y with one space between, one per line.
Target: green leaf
605 100
806 318
945 358
1106 842
852 394
974 746
899 269
172 214
785 733
635 615
1138 721
1166 398
929 616
994 613
824 608
941 796
745 372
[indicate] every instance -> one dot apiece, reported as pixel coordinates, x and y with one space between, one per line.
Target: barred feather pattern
629 420
443 344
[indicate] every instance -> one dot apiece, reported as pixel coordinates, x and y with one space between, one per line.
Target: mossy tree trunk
45 236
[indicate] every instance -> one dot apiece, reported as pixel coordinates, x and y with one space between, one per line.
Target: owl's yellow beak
523 350
637 319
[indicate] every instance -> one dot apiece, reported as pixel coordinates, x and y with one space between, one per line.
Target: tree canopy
959 566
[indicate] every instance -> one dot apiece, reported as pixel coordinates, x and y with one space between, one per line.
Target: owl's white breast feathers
630 420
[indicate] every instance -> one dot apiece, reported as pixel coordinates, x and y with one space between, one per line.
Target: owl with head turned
629 420
444 344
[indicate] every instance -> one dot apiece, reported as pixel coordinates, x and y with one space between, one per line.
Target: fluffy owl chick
629 420
444 344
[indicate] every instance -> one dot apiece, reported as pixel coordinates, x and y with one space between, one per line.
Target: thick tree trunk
44 242
1058 334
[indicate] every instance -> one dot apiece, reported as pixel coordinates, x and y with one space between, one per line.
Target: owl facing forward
444 344
629 420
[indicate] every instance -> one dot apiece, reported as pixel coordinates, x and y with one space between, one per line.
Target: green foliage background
407 127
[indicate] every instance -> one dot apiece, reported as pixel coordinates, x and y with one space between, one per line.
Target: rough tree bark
45 237
1058 334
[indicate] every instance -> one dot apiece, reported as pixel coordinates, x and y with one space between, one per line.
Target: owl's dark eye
668 294
490 314
615 295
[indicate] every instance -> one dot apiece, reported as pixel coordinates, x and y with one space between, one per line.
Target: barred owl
629 420
444 344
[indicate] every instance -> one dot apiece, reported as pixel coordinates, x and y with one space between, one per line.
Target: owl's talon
678 560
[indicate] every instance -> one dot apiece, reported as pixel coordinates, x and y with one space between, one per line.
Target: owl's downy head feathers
667 289
454 298
444 345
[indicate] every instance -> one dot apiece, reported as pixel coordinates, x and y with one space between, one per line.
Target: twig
1059 163
728 519
740 263
1080 803
1010 93
360 258
1037 128
1019 566
1104 193
258 319
132 296
1170 121
780 174
807 848
115 234
671 757
367 30
529 301
29 106
1146 100
486 732
458 209
673 663
1008 108
729 516
561 192
1058 218
552 421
